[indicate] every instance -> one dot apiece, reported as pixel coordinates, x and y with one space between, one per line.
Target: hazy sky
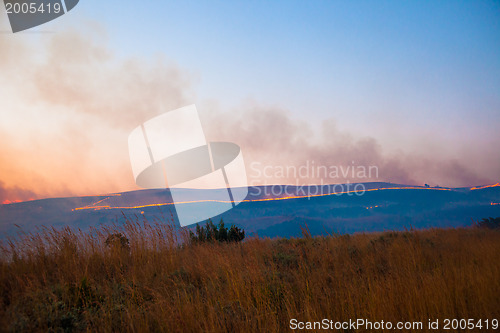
412 87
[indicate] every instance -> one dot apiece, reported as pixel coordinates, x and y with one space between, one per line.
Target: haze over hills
278 210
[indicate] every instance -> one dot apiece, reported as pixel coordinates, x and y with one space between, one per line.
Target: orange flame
95 207
7 202
487 186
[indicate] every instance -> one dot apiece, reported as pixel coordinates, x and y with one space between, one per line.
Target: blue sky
409 73
358 61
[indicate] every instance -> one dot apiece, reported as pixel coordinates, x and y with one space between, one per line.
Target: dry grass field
64 281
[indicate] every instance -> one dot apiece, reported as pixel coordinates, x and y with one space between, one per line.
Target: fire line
95 207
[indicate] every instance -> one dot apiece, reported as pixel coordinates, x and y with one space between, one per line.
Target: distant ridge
274 210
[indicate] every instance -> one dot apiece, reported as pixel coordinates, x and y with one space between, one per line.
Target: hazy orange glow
40 106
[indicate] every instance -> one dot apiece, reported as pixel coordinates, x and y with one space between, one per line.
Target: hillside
273 210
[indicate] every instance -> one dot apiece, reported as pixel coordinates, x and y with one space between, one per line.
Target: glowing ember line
98 202
101 195
495 203
261 200
94 205
487 186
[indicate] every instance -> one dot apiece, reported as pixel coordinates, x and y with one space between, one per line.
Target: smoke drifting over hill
68 104
274 138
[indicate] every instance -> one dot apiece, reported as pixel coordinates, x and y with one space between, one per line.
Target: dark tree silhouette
220 233
489 223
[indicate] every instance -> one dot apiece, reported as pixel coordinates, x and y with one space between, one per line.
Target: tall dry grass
71 281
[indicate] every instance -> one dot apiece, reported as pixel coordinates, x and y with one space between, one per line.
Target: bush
211 232
117 241
489 223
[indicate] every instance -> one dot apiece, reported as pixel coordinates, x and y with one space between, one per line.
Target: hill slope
274 210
